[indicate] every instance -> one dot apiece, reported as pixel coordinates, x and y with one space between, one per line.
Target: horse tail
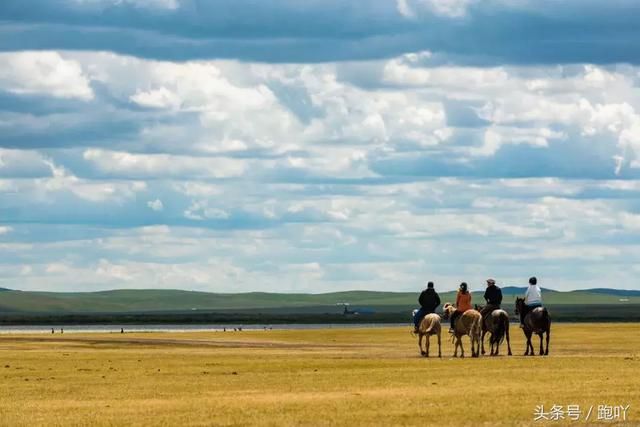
501 329
545 316
428 330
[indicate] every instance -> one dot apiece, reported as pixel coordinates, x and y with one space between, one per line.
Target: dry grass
316 377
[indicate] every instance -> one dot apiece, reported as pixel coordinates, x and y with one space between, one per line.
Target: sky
319 145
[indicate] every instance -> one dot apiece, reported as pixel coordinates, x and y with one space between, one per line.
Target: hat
491 281
430 285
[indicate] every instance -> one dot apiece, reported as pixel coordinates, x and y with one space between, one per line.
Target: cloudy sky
319 145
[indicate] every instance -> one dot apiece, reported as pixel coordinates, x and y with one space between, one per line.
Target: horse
470 323
536 321
497 324
429 325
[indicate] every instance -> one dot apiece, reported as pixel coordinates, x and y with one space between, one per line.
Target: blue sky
234 146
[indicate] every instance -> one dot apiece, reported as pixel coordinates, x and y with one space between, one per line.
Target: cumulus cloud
313 169
156 98
44 73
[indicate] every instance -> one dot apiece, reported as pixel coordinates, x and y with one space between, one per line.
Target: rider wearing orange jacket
463 303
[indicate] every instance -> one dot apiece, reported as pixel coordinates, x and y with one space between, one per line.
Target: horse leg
428 343
420 336
475 349
439 351
497 352
546 352
508 341
541 346
461 347
528 335
532 352
455 349
482 340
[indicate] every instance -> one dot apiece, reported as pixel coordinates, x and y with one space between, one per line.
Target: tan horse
429 325
470 323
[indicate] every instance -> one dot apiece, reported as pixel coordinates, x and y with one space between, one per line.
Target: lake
46 329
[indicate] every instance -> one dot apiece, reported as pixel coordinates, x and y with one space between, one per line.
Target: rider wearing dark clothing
493 294
429 300
493 297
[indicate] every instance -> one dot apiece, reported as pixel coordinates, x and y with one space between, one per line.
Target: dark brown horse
497 324
536 321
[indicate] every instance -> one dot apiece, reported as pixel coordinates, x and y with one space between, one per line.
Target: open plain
372 376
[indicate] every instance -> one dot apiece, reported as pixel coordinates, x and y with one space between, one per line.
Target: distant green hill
152 300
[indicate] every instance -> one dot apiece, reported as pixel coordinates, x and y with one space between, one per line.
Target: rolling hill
153 300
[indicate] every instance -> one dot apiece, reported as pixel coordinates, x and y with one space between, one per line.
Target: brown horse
497 324
470 323
429 325
536 321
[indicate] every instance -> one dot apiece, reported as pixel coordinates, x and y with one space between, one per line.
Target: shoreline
217 328
142 328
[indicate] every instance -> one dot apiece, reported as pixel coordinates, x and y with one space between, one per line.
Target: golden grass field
309 377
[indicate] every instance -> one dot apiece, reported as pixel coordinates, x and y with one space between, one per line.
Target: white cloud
156 98
43 73
154 165
630 221
23 162
93 191
61 182
200 210
446 8
404 9
148 4
495 137
155 205
287 151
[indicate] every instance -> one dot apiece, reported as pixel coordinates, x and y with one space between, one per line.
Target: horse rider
532 299
463 303
429 300
493 297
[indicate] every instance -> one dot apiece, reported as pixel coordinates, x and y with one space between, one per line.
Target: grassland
314 377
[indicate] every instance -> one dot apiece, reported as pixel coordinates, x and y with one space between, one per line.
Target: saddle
486 316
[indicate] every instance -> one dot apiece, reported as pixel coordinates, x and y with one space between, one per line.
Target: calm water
46 329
